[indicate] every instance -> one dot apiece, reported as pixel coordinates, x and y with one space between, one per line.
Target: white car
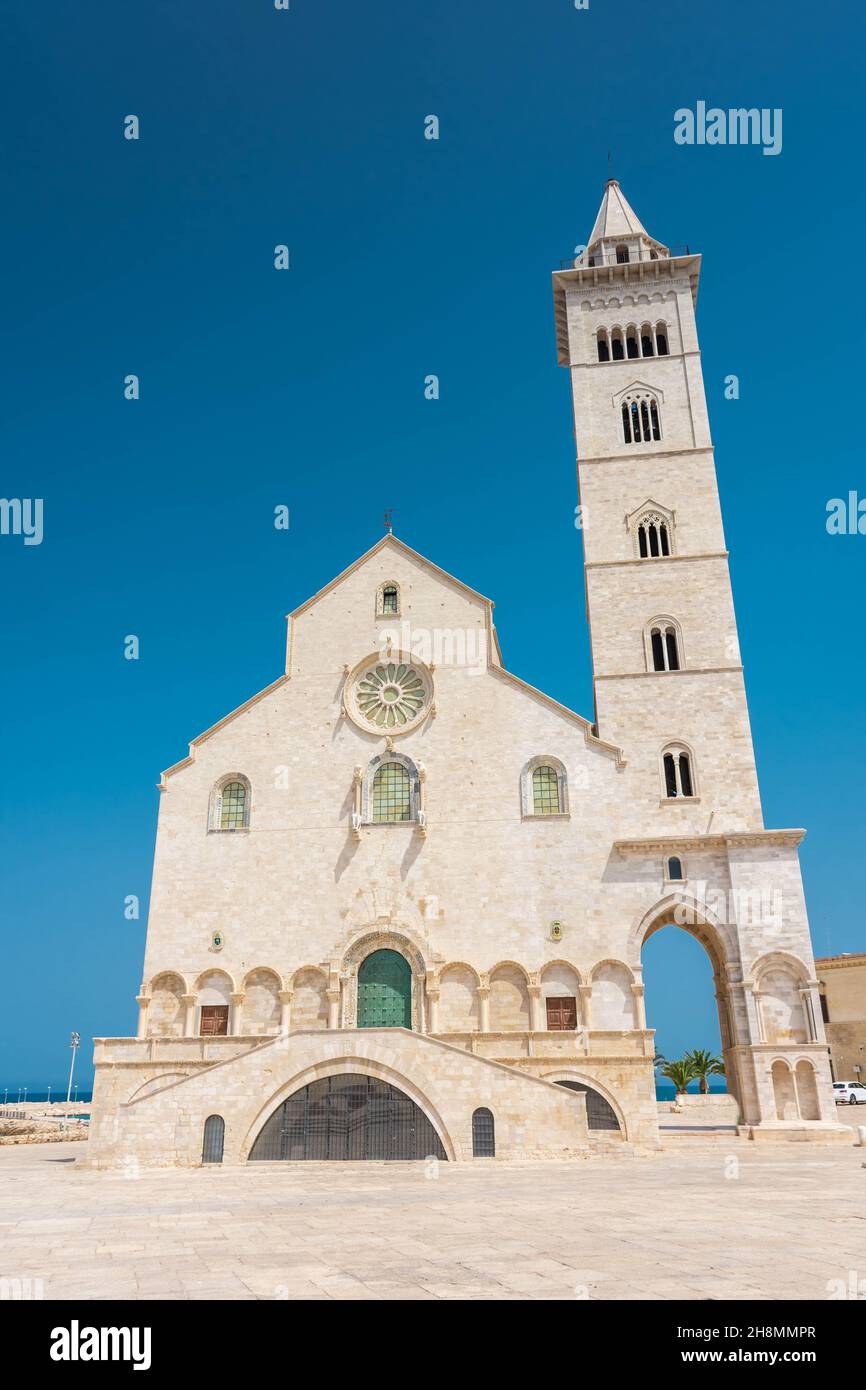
849 1093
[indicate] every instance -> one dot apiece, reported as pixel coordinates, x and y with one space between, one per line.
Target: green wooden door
385 991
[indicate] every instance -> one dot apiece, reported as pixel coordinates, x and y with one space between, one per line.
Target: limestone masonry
399 897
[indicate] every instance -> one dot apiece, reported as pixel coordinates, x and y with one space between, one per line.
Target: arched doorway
348 1117
686 967
385 991
600 1114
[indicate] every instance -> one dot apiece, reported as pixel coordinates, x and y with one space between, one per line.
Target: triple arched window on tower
652 536
678 779
635 340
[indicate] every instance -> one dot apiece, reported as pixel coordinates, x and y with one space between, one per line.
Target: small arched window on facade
631 343
622 255
662 339
544 789
664 647
388 600
641 421
646 340
679 780
230 804
617 345
653 536
674 869
483 1133
214 1139
603 349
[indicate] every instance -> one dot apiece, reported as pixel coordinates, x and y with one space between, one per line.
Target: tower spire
618 226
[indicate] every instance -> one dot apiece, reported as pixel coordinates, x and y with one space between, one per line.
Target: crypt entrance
348 1116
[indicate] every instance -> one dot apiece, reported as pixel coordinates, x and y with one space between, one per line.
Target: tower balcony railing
610 258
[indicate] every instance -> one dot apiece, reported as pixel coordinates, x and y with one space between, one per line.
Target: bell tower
668 681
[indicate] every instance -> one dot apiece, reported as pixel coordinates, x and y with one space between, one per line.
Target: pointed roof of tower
616 216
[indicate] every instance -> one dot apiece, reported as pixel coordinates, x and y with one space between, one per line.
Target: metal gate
214 1138
348 1117
600 1114
483 1134
385 991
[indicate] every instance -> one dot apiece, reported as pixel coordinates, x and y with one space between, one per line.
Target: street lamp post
74 1042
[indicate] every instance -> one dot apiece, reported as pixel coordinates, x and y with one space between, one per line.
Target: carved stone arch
772 960
307 970
515 965
682 909
261 989
383 939
612 960
573 1074
167 975
212 971
569 964
166 1010
510 1009
459 983
371 1064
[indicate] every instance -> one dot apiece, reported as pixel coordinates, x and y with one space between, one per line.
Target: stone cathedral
400 896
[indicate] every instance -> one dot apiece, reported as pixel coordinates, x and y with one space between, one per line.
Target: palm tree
680 1073
704 1064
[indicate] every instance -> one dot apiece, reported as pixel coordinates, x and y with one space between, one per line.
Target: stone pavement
699 1220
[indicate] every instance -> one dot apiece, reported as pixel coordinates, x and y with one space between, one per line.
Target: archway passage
385 991
348 1117
600 1114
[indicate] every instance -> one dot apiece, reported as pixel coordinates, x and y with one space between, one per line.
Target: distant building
842 981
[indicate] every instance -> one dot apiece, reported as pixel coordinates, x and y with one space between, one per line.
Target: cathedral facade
400 896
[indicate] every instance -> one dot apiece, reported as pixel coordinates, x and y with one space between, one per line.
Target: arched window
679 778
230 804
622 255
603 349
617 345
483 1133
631 343
641 420
545 792
392 793
662 339
214 1139
652 536
646 340
674 868
664 648
544 787
233 806
388 600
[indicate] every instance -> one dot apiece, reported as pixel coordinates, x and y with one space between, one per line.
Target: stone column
237 1002
537 1022
484 1008
333 998
285 1009
188 1001
586 1005
432 1010
142 1000
639 1006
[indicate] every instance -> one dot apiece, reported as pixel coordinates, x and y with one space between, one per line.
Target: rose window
390 695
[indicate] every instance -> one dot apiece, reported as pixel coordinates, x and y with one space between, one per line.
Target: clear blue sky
305 388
